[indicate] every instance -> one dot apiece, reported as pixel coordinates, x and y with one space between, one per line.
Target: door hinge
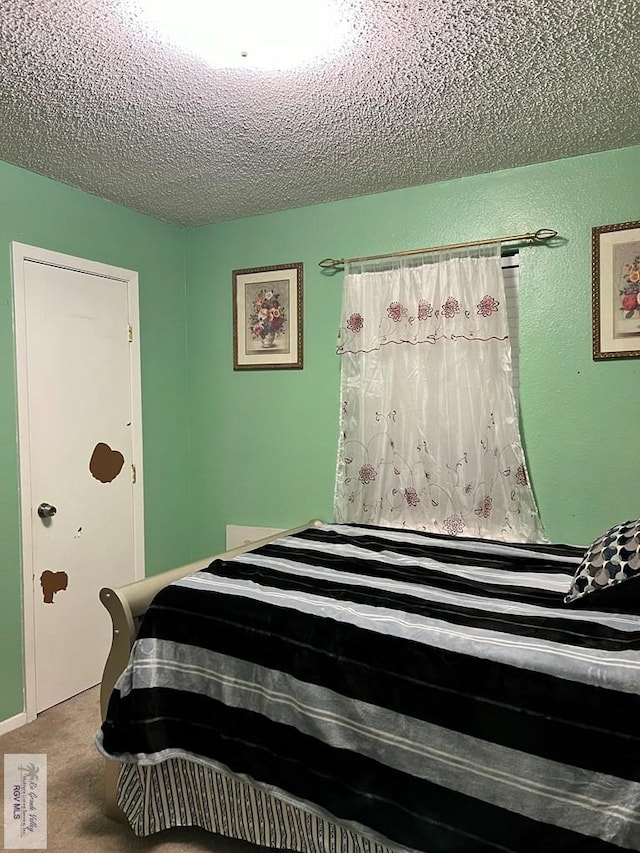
133 474
130 333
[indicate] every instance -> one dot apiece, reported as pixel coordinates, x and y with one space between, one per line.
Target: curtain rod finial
545 234
331 263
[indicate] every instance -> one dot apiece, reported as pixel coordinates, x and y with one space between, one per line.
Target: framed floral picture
267 318
615 262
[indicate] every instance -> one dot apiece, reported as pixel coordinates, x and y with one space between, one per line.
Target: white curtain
429 435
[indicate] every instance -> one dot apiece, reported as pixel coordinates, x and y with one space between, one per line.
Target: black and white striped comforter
431 689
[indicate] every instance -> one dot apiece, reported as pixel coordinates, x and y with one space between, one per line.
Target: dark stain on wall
105 464
52 582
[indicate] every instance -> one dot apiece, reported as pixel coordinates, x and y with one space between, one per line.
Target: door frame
21 252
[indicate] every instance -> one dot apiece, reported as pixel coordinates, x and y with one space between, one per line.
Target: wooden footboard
126 606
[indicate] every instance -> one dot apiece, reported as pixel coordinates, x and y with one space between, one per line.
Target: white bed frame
126 606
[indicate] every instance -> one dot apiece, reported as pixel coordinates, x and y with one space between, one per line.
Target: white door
79 420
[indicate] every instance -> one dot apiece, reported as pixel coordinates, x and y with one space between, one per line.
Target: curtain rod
538 236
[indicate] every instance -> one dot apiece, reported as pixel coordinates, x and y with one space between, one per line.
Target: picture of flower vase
629 290
267 317
626 322
615 290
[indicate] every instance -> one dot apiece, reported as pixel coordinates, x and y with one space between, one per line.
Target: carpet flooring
76 821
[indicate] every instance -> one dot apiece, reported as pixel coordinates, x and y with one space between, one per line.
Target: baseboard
12 723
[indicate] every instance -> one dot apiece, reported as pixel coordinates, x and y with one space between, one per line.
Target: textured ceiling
425 90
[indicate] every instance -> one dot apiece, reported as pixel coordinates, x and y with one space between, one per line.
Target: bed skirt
182 793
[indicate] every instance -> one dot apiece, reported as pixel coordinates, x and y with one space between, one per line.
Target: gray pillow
613 558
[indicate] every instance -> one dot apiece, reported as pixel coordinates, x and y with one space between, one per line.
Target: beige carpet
75 817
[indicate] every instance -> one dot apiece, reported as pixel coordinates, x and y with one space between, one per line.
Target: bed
348 687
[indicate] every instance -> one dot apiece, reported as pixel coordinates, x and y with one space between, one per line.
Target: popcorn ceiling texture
426 90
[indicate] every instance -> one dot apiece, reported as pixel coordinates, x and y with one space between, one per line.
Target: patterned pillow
613 557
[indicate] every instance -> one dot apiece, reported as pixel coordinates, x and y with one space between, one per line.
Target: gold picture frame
615 264
267 318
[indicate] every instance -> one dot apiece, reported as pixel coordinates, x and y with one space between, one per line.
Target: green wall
263 442
258 447
46 214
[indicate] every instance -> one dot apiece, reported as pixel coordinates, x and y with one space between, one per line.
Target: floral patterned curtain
429 435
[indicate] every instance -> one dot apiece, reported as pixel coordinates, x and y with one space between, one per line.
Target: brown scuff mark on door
105 464
52 582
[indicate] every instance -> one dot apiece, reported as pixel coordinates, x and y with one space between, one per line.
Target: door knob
46 511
